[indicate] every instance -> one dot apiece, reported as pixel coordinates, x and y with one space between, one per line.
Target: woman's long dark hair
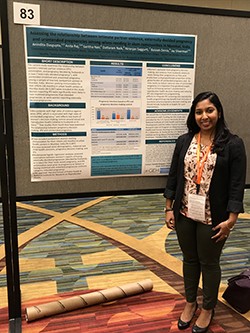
222 133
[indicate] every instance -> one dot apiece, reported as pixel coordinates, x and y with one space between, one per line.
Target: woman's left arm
237 166
237 178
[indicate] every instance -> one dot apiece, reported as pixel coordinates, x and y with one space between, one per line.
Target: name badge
196 207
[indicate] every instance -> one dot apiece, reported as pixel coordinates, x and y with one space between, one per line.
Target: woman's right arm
170 190
172 176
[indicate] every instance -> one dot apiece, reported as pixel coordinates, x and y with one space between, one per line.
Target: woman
204 195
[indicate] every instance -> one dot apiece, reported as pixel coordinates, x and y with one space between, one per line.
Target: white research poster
105 103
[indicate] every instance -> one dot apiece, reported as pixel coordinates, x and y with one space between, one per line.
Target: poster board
105 103
221 66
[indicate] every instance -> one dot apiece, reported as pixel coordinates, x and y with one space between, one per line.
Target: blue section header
170 65
56 61
160 141
116 63
42 105
56 134
167 110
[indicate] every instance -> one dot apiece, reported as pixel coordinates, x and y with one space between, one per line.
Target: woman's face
206 116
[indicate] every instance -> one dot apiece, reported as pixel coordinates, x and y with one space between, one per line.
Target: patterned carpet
74 246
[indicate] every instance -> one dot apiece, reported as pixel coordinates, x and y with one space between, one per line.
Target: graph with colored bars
117 113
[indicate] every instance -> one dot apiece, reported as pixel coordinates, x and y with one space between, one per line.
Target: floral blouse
190 165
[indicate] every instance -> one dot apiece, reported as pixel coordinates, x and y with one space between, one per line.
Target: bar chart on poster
117 114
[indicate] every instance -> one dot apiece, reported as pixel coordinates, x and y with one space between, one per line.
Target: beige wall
220 4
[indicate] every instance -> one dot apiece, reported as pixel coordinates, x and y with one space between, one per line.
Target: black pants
201 257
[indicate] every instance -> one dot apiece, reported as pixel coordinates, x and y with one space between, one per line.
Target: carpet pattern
74 246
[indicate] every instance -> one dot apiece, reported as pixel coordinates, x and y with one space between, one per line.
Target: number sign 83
27 13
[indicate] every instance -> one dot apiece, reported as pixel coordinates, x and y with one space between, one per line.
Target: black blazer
227 185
